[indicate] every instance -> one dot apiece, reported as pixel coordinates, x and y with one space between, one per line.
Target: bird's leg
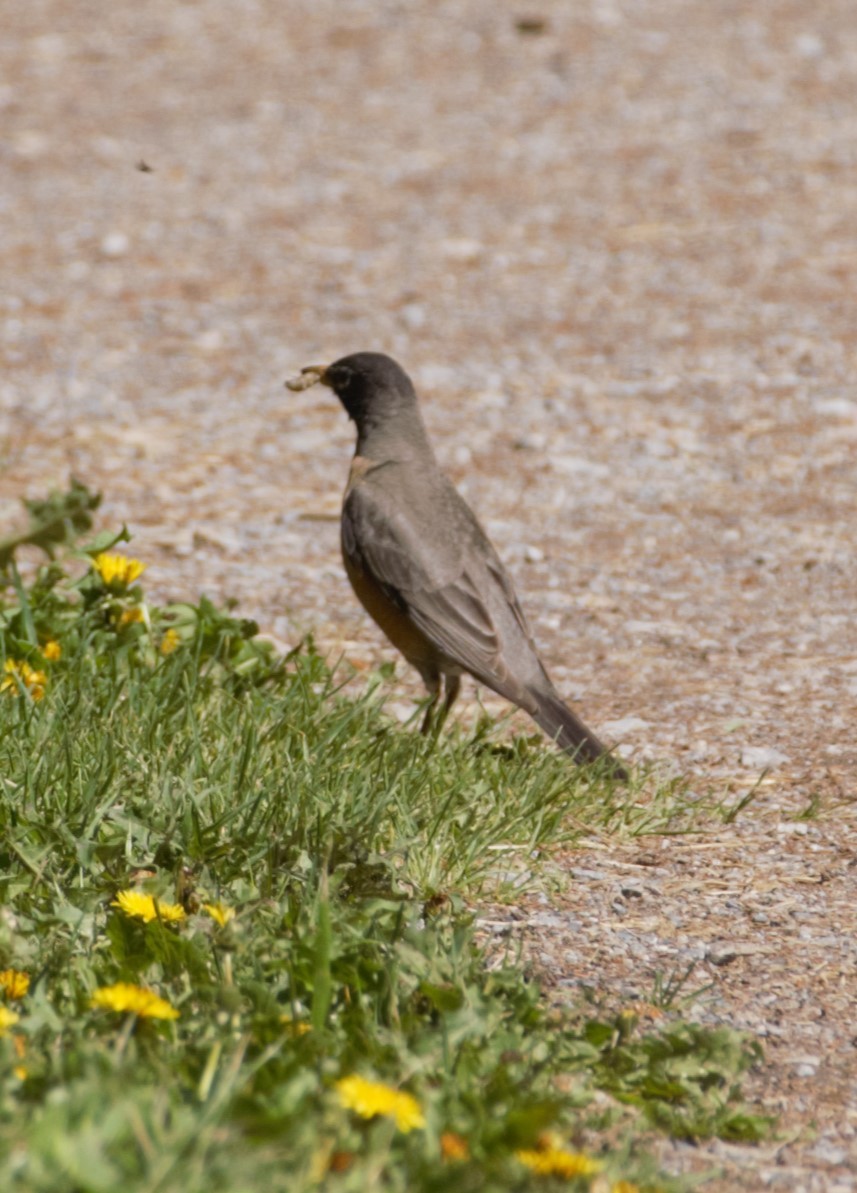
432 682
453 687
434 719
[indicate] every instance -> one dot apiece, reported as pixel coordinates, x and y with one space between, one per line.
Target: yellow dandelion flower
371 1098
295 1026
220 913
20 1046
18 674
556 1161
641 1010
7 1019
52 650
118 571
624 1187
130 616
147 908
136 1000
453 1146
171 641
13 983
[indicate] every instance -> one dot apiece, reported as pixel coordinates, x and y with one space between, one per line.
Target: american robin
423 567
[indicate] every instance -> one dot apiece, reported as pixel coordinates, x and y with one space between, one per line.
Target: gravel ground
615 243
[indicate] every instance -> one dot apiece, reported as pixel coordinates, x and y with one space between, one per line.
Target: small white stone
50 47
115 244
414 315
792 828
462 249
759 757
579 466
209 341
808 45
623 727
837 407
30 144
722 954
532 441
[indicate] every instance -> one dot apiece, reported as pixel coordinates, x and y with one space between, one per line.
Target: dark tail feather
570 733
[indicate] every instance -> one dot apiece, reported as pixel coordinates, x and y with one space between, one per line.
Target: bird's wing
434 575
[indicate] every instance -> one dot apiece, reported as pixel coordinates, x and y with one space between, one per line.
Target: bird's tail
571 735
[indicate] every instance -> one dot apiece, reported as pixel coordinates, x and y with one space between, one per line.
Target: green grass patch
302 869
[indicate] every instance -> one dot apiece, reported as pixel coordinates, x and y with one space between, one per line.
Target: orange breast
396 625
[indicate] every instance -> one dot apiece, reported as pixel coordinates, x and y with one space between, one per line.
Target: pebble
721 954
533 441
31 144
625 727
762 757
462 249
829 1153
808 45
549 919
414 315
578 466
837 407
115 244
210 340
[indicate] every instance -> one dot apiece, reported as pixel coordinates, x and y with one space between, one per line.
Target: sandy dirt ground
615 243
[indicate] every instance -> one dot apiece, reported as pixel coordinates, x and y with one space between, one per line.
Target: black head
370 386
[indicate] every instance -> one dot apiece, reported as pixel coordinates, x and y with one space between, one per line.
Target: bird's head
370 385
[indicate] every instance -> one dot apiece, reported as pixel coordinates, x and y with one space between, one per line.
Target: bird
424 569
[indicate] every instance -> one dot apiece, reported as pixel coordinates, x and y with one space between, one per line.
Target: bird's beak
308 376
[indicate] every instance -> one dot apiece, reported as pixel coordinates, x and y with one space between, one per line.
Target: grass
321 863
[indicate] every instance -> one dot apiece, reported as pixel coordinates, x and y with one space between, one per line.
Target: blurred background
613 241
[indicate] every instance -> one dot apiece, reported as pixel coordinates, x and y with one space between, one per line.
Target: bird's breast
360 465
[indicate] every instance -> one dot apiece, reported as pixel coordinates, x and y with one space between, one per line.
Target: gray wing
447 577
